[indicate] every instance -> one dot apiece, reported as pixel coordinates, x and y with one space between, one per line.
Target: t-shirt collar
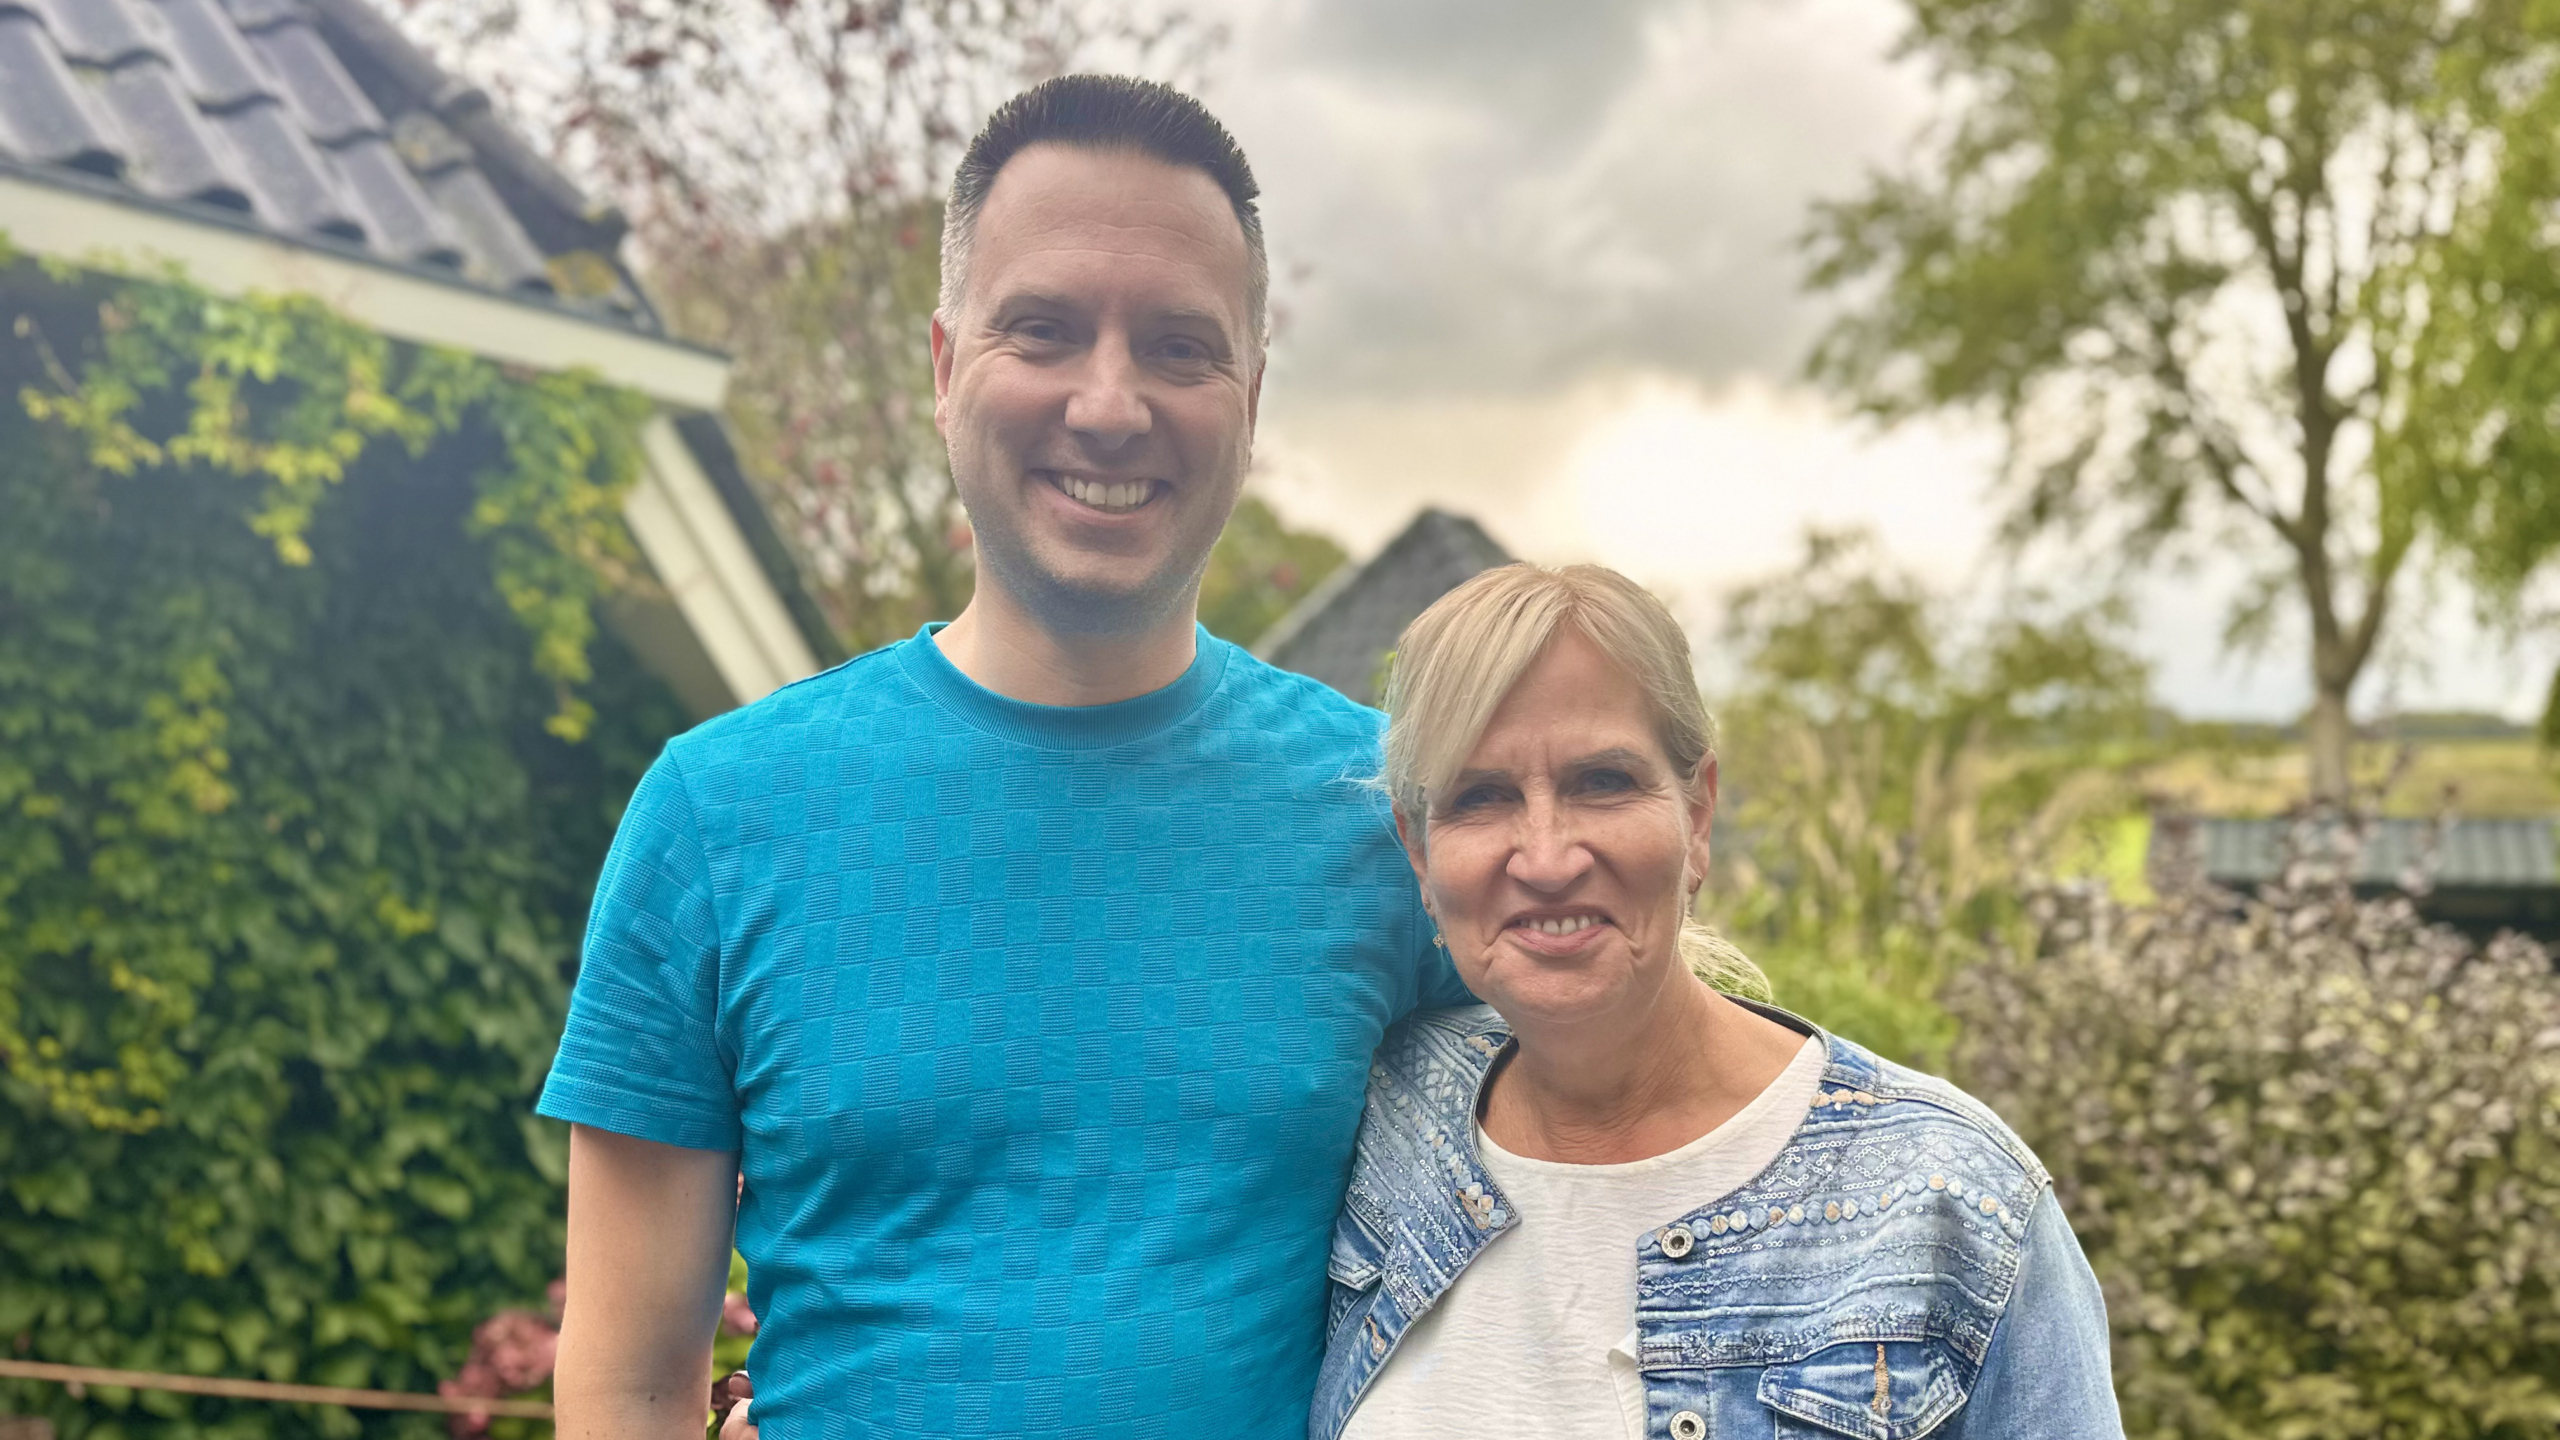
1064 727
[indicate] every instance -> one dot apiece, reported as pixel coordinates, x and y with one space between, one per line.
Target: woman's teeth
1119 498
1568 926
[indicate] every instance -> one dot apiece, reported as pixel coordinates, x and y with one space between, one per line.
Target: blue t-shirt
1041 1034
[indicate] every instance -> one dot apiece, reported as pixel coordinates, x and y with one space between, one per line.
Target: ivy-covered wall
309 751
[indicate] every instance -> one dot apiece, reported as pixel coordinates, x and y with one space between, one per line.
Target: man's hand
649 1230
735 1425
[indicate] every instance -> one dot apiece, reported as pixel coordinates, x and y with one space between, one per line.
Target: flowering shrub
514 1352
2312 1146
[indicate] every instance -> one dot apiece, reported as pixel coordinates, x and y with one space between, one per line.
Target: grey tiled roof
2474 854
310 120
1341 632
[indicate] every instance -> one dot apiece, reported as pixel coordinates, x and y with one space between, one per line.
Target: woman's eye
1469 799
1608 781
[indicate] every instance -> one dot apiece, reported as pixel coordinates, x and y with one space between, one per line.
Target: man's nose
1547 855
1108 403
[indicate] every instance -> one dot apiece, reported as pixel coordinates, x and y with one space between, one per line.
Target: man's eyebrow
1035 299
1194 315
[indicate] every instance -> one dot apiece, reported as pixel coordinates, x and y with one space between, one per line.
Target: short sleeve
640 1056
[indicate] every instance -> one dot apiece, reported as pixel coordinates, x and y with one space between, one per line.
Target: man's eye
1041 332
1184 352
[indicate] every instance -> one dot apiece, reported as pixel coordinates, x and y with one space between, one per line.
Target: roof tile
46 114
399 218
211 54
500 255
1341 631
2486 852
315 117
287 178
173 155
328 103
253 16
428 144
92 32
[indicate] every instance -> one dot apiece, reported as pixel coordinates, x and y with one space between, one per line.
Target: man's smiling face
1097 385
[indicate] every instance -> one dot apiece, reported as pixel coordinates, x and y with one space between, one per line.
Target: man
1028 969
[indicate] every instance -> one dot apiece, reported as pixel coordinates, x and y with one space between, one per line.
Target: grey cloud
1513 195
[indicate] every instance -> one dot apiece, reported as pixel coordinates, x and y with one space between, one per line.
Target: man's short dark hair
1105 113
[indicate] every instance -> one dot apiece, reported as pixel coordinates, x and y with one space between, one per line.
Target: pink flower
519 1346
476 1382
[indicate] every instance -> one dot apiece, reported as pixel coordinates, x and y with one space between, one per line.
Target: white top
1537 1337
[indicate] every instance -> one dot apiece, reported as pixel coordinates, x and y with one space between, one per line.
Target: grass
2503 776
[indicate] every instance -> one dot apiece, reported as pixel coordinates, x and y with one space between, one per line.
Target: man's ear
940 340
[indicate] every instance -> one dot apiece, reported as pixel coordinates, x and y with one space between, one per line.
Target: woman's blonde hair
1458 659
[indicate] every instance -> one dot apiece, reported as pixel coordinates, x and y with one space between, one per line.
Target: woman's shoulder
1428 1065
1864 1090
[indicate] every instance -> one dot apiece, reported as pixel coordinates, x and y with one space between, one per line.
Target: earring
1439 941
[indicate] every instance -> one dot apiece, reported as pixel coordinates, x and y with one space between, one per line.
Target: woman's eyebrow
1618 756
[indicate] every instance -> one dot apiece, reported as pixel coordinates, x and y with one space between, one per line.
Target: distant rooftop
1341 631
2512 854
313 121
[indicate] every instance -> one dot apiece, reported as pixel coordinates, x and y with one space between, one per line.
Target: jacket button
1687 1426
1677 1242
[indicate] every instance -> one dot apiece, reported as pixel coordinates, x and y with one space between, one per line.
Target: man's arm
649 1233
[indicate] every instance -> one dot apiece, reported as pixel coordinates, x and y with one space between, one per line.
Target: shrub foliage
307 753
2312 1146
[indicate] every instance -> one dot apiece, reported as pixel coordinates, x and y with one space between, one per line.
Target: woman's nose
1547 854
1106 404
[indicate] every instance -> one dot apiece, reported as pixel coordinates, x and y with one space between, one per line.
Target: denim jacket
1900 1270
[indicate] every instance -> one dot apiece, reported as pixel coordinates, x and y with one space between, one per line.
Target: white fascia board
708 570
60 222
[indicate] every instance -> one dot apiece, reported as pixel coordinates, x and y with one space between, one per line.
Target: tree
1894 775
782 162
1260 568
2268 269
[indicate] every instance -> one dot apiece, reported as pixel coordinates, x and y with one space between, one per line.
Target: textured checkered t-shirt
1041 1034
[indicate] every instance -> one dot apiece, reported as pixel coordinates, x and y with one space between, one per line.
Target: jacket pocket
1353 1266
1873 1389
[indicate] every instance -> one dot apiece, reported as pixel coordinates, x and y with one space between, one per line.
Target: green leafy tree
2272 271
1259 569
1893 775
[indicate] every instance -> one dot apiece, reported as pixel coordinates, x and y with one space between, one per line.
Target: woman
1617 1201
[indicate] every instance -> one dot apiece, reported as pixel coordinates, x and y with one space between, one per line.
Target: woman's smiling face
1559 863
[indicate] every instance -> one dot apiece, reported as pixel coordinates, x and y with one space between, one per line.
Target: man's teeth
1568 926
1127 495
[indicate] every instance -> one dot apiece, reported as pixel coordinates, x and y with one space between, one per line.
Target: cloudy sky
1536 263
